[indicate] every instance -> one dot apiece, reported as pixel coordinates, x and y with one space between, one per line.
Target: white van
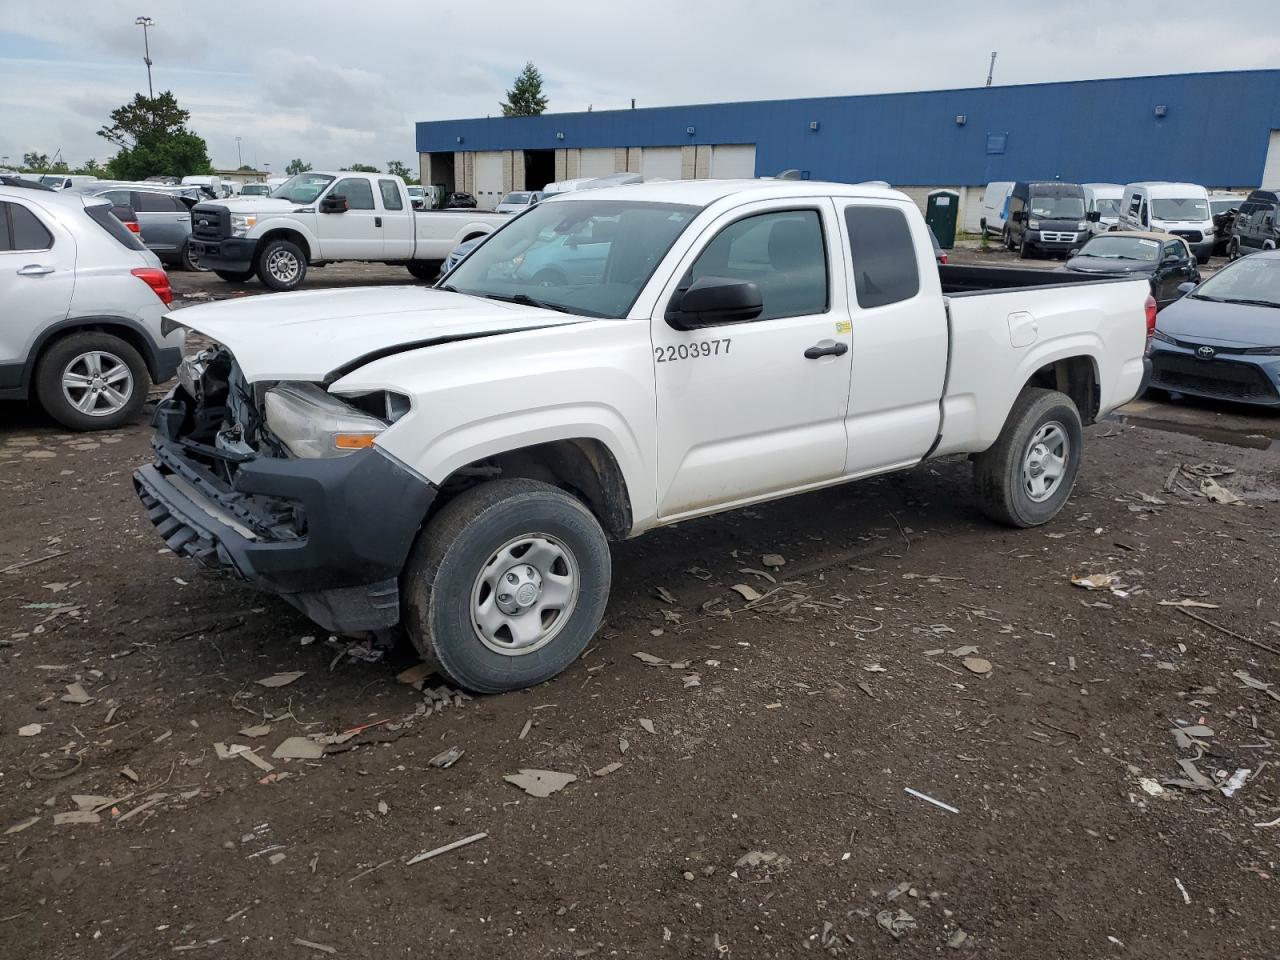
995 208
212 184
1178 208
1104 200
65 181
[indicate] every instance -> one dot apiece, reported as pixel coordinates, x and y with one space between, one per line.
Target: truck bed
960 280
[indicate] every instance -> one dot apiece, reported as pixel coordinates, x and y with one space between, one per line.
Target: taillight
157 280
132 226
1151 318
942 258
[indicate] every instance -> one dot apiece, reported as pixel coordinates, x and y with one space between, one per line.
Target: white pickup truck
454 461
316 218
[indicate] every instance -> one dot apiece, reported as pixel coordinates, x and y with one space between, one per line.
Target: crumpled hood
317 335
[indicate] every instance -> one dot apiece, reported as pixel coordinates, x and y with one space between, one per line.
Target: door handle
826 349
34 270
377 221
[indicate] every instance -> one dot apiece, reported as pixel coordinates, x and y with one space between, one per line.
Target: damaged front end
283 485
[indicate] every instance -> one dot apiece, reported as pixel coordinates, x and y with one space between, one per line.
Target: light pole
145 23
239 159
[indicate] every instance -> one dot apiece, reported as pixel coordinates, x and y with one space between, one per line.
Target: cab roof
703 193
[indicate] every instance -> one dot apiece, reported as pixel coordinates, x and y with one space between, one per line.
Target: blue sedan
1222 340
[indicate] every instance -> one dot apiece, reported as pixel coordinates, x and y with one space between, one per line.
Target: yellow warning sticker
844 326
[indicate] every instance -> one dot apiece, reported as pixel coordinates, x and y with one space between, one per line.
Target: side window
144 202
1173 250
783 253
390 195
5 244
118 197
1142 214
26 232
885 264
358 192
1134 202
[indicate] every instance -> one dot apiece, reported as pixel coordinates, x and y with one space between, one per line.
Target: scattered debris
1214 492
445 760
1253 683
261 730
1095 581
1186 737
1236 782
280 679
32 821
540 783
748 593
646 724
446 848
1186 897
650 659
607 769
524 731
415 676
30 730
298 748
966 651
665 595
957 939
977 665
311 945
76 694
896 923
1189 603
128 774
774 560
1151 787
928 799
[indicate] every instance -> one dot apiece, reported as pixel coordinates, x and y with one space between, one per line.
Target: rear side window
100 213
153 203
1134 202
358 192
885 267
20 229
390 195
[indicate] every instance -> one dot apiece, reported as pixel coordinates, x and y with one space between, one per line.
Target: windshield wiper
1250 303
448 286
525 300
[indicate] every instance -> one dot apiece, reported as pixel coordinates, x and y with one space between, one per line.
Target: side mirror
334 203
711 301
1185 288
1093 216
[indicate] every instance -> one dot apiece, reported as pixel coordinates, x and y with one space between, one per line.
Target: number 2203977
691 351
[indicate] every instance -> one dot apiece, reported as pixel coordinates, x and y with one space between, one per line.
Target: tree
401 170
90 168
361 168
38 162
153 138
245 166
525 98
296 166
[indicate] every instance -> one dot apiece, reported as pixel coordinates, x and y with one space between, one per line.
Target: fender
285 222
15 378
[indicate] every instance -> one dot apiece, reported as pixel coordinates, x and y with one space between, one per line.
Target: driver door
1177 266
355 234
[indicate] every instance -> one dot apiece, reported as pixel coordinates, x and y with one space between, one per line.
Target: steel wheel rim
283 266
524 594
1044 463
97 383
193 262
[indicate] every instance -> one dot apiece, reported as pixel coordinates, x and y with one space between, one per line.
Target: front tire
427 271
234 276
281 265
506 585
1025 478
1024 251
91 381
189 261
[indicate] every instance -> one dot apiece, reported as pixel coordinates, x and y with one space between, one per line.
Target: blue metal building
1215 129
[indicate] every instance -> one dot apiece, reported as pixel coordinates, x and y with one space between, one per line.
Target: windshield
1222 206
1186 208
1253 280
589 257
517 198
255 190
414 191
52 181
304 188
1058 208
1108 209
1121 248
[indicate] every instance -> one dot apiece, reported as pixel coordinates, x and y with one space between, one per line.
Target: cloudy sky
342 83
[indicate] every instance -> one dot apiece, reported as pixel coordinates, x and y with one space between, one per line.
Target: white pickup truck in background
318 217
454 461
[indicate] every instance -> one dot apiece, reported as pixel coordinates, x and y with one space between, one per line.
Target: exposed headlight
312 423
191 371
242 223
1082 225
1033 224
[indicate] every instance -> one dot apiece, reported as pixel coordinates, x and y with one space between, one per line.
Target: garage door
488 179
660 163
1271 170
733 161
596 163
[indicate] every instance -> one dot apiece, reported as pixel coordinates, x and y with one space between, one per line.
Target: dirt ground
745 798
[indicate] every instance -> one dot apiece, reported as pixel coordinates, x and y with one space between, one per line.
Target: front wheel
282 265
91 381
234 276
189 260
1024 479
426 270
506 585
1024 251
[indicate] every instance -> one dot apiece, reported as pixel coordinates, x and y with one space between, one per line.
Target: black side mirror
1185 288
711 301
334 203
1093 216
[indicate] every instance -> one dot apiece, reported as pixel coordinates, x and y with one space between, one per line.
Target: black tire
998 474
1202 260
1233 249
455 548
188 260
281 265
234 276
1024 251
1006 238
63 357
425 270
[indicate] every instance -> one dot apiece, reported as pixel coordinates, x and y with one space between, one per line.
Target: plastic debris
607 769
76 694
298 748
1236 782
928 799
30 730
896 922
646 724
446 848
1151 787
774 560
1095 581
540 783
280 679
446 759
748 593
977 665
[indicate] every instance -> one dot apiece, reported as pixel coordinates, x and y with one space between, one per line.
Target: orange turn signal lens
353 441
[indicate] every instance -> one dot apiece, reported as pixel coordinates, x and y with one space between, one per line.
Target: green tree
297 166
245 166
401 170
90 168
36 162
361 168
153 138
525 98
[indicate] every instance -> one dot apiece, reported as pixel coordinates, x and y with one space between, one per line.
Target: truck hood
258 205
320 335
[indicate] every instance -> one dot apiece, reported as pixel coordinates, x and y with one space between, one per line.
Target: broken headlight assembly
312 423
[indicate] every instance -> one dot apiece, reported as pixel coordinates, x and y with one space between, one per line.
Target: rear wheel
234 276
1233 248
1024 479
91 381
425 270
281 265
506 585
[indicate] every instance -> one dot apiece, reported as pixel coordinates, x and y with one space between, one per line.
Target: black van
1257 225
1046 216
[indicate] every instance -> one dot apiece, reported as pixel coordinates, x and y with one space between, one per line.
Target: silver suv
83 300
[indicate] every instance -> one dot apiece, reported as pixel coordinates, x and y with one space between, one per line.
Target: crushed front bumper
330 536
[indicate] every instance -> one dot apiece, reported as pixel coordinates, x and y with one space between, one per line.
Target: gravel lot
745 798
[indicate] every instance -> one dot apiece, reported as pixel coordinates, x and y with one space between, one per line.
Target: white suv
83 300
